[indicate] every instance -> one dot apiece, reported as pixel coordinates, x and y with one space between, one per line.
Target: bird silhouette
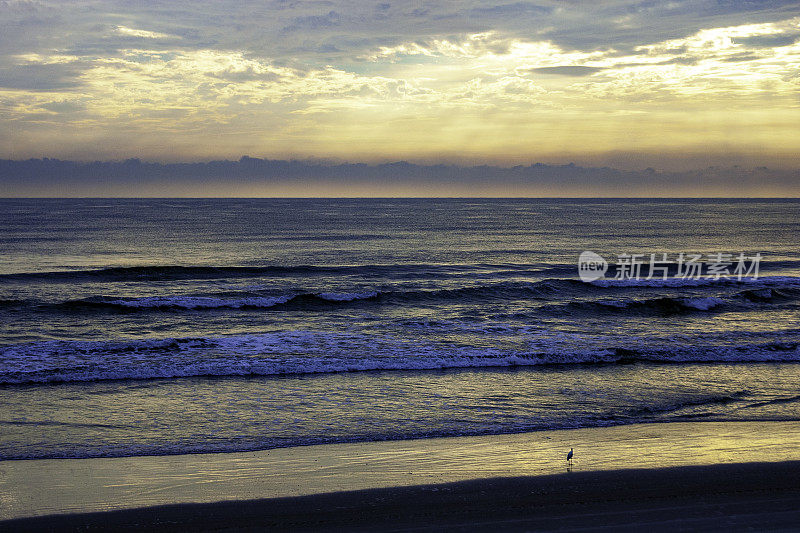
569 456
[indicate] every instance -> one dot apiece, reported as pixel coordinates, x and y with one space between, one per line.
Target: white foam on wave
207 302
702 303
306 352
347 296
693 282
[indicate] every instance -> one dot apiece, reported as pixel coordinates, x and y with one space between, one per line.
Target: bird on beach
569 456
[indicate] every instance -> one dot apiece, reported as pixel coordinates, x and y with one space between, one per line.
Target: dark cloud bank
263 177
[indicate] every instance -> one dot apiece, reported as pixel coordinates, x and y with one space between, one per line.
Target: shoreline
47 488
722 497
8 460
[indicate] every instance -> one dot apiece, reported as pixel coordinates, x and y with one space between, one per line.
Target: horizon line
2 198
331 162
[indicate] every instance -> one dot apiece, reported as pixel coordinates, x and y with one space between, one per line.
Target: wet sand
698 475
738 497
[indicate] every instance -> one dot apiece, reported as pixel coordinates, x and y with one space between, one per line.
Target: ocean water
131 327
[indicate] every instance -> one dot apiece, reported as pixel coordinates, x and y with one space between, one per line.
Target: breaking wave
177 272
399 270
555 292
664 305
306 352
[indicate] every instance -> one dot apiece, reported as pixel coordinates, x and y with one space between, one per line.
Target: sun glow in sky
623 83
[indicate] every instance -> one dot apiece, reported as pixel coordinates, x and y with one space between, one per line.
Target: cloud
315 22
767 41
332 78
469 46
511 10
41 77
144 34
568 70
260 177
64 106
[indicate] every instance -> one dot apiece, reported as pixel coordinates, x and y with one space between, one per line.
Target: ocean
167 326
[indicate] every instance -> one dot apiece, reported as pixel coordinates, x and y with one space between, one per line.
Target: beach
709 475
737 497
396 363
399 266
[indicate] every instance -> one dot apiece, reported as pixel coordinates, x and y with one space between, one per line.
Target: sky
673 85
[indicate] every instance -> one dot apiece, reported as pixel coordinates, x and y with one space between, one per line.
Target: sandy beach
736 497
384 266
702 474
